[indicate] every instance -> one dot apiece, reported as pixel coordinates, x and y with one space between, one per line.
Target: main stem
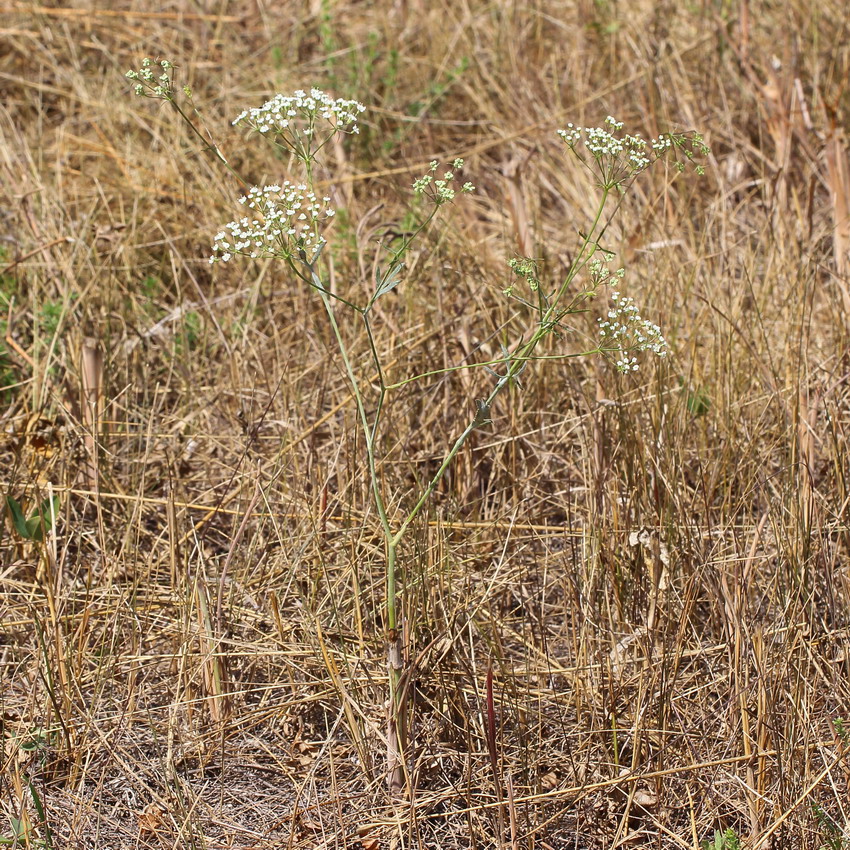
396 727
396 731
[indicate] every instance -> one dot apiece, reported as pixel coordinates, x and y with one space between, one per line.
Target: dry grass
656 567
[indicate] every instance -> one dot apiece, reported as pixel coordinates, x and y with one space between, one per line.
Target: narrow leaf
42 519
699 402
42 815
317 281
389 281
311 267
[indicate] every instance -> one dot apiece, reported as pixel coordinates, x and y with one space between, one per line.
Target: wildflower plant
440 190
628 331
289 222
155 79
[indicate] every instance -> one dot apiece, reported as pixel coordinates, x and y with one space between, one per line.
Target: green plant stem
208 144
516 364
408 240
361 410
379 370
395 731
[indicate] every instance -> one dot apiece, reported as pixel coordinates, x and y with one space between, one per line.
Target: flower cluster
441 191
600 274
148 84
624 331
286 224
524 268
604 142
294 119
617 157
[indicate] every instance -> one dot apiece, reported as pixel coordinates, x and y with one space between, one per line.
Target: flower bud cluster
148 83
524 268
600 274
440 190
298 114
624 330
286 225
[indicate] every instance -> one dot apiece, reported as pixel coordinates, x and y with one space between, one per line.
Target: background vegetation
656 566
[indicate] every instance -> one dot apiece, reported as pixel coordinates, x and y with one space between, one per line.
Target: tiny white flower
274 233
627 332
294 119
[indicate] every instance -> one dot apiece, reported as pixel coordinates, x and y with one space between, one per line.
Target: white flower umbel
624 332
616 157
303 122
284 223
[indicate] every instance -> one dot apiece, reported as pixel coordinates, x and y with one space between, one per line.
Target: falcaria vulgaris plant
290 221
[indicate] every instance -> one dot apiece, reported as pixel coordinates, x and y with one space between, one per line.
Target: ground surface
655 566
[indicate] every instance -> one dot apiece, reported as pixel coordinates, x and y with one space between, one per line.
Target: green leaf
39 807
722 841
42 519
317 281
385 282
699 402
311 267
19 831
388 281
18 519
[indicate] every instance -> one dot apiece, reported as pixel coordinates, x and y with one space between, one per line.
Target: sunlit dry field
653 566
